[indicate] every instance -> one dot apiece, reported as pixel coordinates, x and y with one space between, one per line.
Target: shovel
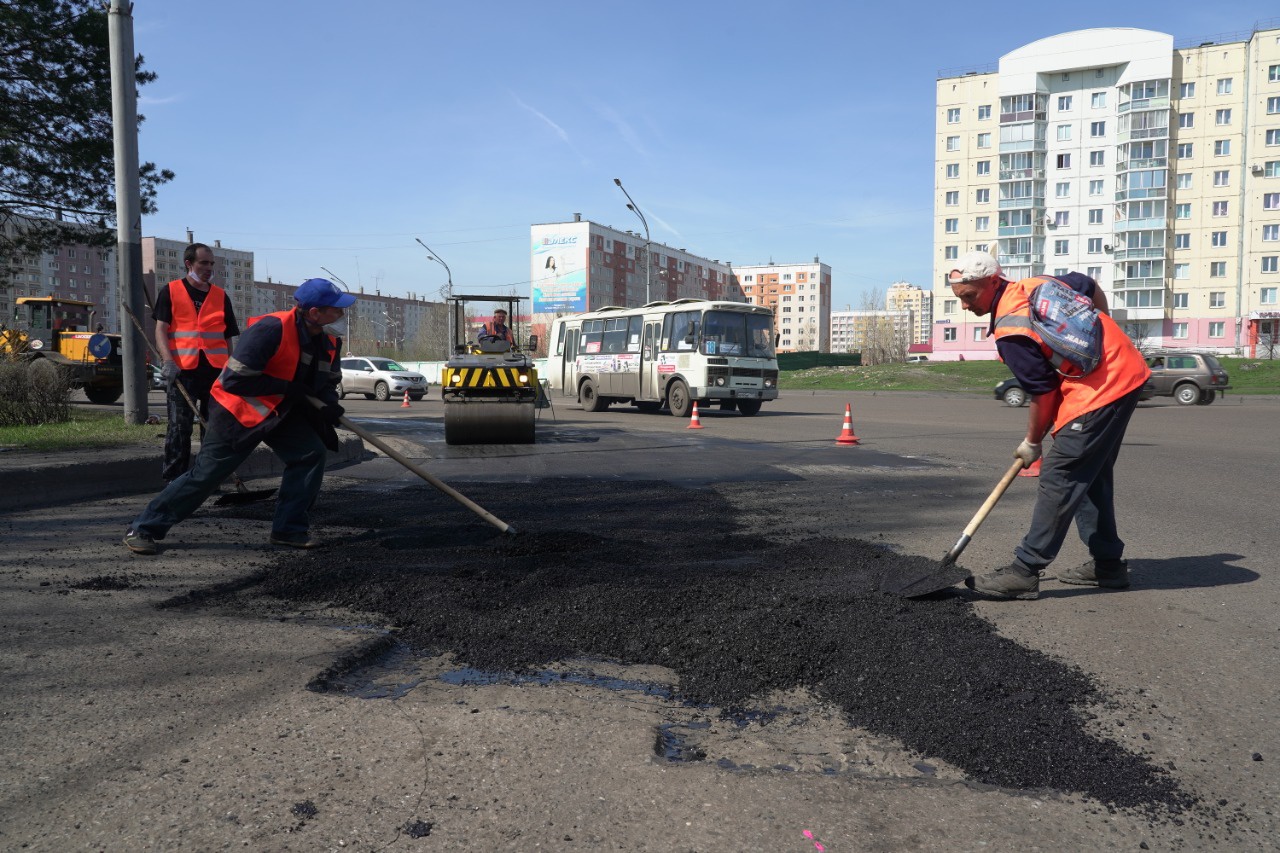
947 574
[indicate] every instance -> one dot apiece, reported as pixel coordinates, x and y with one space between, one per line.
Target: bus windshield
737 333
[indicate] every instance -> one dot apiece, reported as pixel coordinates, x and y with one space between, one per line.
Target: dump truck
48 332
489 388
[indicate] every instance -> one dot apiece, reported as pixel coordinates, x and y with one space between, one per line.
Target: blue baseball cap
322 293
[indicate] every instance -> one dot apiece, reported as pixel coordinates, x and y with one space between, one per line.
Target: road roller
489 386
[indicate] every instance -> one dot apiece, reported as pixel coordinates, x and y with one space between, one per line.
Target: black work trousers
177 437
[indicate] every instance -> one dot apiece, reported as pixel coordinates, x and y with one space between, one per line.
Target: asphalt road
127 727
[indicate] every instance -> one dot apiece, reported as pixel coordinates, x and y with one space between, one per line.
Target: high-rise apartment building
800 298
232 271
73 271
918 302
1152 167
880 335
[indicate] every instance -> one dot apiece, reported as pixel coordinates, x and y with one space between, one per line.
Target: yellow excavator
49 332
489 387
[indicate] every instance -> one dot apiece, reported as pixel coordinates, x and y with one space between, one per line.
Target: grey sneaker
1109 574
140 543
296 540
1007 582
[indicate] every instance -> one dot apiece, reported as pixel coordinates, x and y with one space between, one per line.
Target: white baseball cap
973 266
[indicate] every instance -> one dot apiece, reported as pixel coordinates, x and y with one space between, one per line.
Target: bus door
649 378
569 364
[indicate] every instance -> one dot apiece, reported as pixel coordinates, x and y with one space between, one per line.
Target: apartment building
233 270
918 302
1153 167
880 335
583 266
799 296
74 271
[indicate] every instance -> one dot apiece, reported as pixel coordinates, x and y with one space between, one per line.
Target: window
1269 265
1097 158
953 198
984 167
982 196
1062 189
1094 273
1097 128
1271 201
1062 217
1061 247
1098 100
949 333
1180 330
1184 181
950 253
1064 161
1222 148
1182 271
953 143
1271 169
1064 103
1217 329
1273 74
1095 245
949 306
1273 137
1222 178
1217 269
984 112
982 223
952 226
1182 241
982 247
1224 86
953 115
1222 117
1271 233
1186 120
980 333
1267 296
953 170
1187 90
1064 133
1180 300
1182 211
1220 208
1185 150
1273 105
1095 188
1095 216
1218 239
984 140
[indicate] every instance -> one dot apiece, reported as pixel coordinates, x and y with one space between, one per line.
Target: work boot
1110 574
296 540
1012 581
140 543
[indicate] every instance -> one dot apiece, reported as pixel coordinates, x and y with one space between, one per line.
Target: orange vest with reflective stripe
1122 369
192 331
488 329
251 411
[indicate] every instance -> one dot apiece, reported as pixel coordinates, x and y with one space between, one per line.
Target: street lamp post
635 208
350 323
446 292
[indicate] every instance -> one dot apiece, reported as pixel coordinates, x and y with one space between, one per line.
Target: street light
446 292
634 208
347 313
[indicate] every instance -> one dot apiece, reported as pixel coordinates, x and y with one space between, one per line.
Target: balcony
1152 224
1141 193
1020 231
1007 261
1147 163
1022 174
1143 133
1155 253
1158 103
1022 202
1120 283
1021 146
1024 115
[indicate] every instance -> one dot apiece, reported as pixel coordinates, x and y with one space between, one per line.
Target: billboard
559 268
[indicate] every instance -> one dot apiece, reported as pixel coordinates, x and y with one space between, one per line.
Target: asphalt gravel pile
649 573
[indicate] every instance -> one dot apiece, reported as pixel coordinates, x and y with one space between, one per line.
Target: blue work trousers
293 440
1077 483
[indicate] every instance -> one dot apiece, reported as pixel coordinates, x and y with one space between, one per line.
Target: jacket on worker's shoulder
1122 369
495 330
194 330
275 351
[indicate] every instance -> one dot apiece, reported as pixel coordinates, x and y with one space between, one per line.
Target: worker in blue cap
262 395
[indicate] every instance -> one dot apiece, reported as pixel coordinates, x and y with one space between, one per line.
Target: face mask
195 274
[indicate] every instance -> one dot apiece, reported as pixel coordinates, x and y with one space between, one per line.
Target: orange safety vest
251 411
192 331
1122 369
506 332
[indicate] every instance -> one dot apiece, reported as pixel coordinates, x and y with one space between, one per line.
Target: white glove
1027 452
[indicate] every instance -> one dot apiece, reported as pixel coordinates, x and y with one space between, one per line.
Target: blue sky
328 134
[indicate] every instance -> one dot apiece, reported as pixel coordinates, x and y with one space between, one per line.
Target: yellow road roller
489 386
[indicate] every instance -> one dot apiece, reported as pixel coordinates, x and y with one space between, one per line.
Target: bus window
760 328
615 335
724 333
683 330
560 339
592 335
633 333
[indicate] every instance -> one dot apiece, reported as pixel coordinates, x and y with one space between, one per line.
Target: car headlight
456 380
720 380
524 379
768 383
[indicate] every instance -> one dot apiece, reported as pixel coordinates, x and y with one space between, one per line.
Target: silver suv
379 379
1191 378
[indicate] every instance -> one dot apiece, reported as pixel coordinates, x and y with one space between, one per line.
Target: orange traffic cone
405 404
1032 470
695 422
846 433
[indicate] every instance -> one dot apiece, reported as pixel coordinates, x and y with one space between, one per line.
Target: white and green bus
666 353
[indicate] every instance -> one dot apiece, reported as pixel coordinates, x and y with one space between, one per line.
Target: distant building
903 296
233 271
799 296
74 271
879 335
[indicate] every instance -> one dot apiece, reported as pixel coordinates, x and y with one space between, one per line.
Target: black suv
1191 378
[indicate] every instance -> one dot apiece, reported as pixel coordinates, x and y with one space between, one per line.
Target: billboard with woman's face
559 268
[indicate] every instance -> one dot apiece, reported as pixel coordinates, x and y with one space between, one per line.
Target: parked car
917 359
1011 393
1191 378
379 379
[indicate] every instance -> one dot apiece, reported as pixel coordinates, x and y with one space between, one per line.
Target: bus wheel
678 399
749 407
590 398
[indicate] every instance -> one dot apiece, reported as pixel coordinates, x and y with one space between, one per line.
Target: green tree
57 166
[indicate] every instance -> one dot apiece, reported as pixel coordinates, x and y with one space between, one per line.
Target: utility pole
124 122
635 208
